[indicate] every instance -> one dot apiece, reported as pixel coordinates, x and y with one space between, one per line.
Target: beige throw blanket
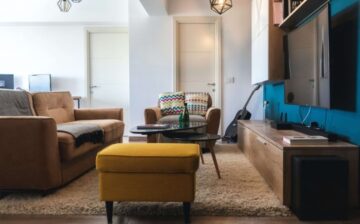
83 132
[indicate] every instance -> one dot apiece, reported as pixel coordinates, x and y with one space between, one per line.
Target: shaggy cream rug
240 192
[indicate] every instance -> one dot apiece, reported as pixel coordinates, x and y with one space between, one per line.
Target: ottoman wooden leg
186 208
109 211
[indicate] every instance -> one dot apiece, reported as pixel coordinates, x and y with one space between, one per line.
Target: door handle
93 87
211 84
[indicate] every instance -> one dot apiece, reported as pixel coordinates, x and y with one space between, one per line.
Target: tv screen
322 60
308 61
40 83
344 58
6 81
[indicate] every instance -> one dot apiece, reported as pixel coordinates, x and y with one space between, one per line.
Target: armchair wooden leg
109 211
215 162
186 208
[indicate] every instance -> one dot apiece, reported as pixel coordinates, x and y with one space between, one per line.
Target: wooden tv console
264 147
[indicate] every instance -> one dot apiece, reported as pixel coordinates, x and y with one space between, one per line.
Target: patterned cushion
197 103
171 103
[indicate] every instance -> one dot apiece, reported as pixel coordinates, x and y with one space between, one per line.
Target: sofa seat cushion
175 118
149 158
113 131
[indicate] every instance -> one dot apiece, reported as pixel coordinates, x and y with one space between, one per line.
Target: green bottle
181 118
186 116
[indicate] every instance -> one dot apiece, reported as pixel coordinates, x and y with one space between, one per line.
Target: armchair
212 118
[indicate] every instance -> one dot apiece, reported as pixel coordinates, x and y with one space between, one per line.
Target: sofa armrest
97 114
29 154
152 115
213 120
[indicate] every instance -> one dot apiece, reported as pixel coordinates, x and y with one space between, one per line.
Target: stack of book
305 140
153 126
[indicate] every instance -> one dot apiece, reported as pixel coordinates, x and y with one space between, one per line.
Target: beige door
109 70
196 58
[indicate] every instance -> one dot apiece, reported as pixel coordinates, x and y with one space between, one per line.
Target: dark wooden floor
7 219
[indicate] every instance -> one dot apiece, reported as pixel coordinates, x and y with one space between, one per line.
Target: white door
109 70
196 58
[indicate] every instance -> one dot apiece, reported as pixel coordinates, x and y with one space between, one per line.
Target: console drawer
268 160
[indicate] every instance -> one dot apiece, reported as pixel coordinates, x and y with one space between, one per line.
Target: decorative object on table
243 114
220 6
171 103
184 117
65 5
197 102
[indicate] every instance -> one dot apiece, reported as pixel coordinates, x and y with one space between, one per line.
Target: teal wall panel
343 123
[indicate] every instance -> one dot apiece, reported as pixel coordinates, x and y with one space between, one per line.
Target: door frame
87 32
216 20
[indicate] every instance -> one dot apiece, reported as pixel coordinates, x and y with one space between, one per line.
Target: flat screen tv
308 61
344 41
40 83
321 61
6 81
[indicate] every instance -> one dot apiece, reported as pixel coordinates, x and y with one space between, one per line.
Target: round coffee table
173 127
195 137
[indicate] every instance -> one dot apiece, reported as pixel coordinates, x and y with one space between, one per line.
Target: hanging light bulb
64 5
220 6
76 1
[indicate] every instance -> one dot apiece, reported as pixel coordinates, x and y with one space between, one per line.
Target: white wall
56 50
36 38
151 54
88 11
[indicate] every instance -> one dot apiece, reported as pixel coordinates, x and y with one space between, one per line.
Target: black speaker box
319 187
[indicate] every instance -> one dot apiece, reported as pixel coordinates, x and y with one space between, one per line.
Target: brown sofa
34 156
212 118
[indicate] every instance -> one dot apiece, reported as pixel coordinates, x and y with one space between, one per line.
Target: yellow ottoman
148 172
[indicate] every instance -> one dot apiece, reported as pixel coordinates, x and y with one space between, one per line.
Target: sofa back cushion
197 102
171 103
57 105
